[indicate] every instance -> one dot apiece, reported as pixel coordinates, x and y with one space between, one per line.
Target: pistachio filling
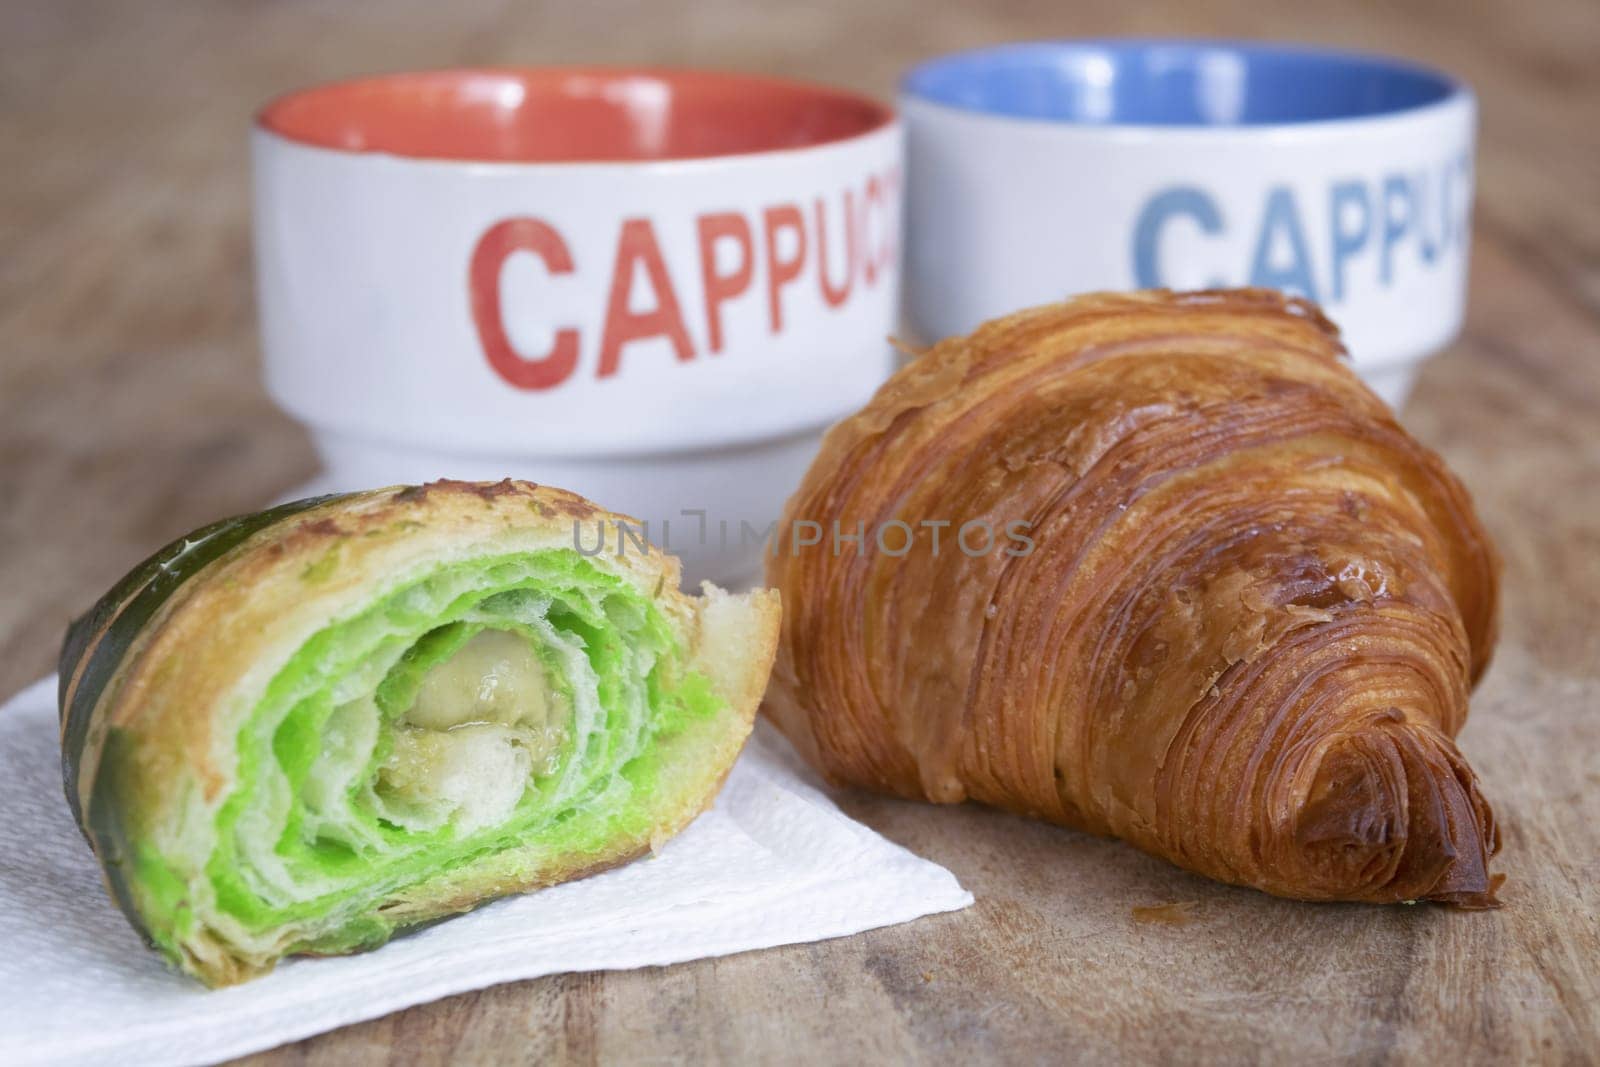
495 711
485 724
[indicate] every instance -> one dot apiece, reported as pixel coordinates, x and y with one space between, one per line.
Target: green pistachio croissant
301 730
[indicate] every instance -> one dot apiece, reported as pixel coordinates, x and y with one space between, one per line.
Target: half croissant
301 730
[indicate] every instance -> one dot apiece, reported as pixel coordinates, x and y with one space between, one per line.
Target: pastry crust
173 673
1245 632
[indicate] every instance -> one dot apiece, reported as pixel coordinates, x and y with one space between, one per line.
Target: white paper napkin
774 862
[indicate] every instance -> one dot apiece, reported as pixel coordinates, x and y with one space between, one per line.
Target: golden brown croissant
1211 599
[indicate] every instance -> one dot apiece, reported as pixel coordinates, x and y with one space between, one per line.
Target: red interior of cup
570 115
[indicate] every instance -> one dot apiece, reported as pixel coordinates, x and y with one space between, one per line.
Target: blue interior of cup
1172 83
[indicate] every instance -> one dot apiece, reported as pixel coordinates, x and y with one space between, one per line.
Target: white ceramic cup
652 287
1036 171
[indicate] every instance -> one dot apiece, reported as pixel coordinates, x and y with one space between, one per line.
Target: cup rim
1452 92
274 118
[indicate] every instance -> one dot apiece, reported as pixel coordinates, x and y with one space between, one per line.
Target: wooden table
130 411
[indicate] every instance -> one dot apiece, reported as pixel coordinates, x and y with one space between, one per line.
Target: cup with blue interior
1043 169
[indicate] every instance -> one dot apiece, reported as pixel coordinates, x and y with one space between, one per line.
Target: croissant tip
1486 899
1455 822
1395 815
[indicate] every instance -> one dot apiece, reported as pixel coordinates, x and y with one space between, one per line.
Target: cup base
1392 383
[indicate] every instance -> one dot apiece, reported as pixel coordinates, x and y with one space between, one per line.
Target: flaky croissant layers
1241 632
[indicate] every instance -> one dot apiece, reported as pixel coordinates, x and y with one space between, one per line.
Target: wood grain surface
130 411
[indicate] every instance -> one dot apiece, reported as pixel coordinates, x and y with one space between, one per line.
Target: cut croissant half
302 730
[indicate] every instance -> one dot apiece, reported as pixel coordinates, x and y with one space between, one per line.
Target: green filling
313 829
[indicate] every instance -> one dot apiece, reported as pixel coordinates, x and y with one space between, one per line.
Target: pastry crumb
1177 913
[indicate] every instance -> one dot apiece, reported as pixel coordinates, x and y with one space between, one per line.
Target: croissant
301 730
1156 566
